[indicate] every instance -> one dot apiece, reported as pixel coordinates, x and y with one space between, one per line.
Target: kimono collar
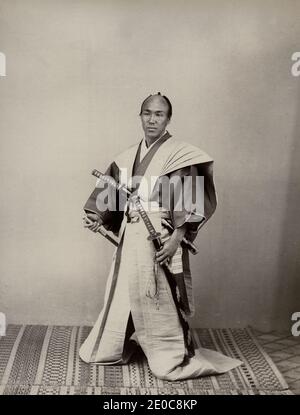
140 166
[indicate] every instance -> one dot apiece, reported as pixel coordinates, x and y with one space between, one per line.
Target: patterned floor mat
43 360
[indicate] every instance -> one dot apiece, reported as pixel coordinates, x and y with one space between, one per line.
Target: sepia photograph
150 193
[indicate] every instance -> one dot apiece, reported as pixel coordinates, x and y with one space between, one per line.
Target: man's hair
170 110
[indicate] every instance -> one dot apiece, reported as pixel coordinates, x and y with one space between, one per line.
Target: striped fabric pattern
43 360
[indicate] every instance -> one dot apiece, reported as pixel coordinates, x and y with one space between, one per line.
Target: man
143 304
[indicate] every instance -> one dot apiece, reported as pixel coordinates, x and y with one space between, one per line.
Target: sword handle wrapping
155 236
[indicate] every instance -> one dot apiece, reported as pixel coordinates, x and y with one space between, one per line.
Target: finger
88 225
91 227
162 257
160 252
97 228
92 216
159 257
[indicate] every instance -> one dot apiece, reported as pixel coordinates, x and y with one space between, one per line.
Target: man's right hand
92 222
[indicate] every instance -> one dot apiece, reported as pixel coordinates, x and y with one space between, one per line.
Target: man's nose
152 118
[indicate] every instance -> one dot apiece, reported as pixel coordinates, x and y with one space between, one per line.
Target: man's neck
149 142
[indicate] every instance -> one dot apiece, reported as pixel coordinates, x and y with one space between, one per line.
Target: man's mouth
151 128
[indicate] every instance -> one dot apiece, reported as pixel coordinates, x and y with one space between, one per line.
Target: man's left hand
167 251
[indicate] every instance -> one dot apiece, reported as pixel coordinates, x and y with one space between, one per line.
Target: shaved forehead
157 102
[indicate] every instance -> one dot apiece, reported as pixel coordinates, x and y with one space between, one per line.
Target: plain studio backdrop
76 74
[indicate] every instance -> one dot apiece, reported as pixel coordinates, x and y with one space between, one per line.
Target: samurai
169 193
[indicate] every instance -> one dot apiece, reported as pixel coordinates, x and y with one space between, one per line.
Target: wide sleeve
105 202
190 197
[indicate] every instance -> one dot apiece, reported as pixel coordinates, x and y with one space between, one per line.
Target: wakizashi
148 295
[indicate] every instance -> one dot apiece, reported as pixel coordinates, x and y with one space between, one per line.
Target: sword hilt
110 181
154 236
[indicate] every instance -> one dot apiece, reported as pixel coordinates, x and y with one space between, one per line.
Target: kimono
141 305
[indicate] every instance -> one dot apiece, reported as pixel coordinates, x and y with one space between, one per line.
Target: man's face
154 117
